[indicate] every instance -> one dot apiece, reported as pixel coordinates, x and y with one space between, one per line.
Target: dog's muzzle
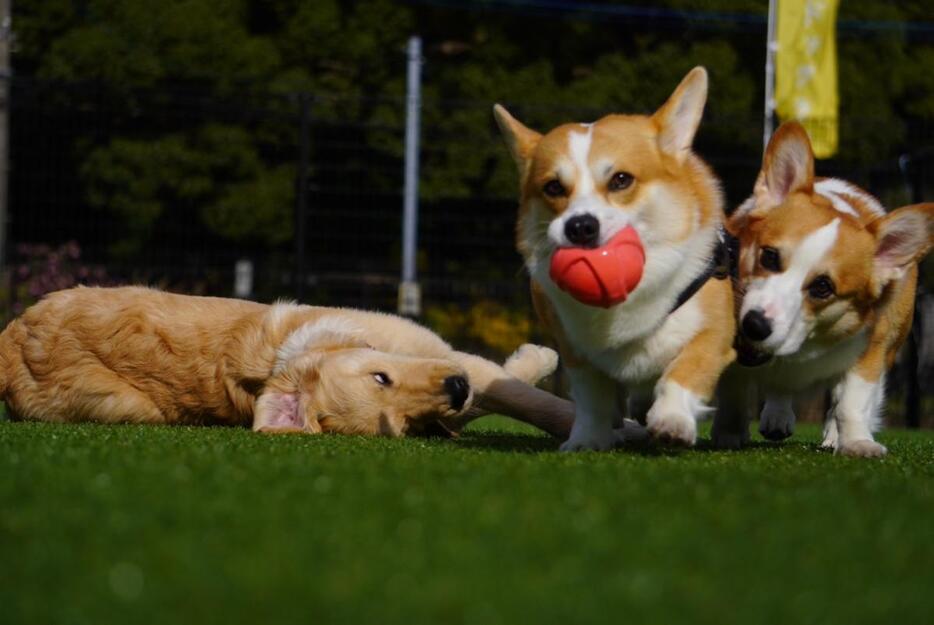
599 276
458 390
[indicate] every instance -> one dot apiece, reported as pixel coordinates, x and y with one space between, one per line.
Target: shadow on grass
507 442
535 444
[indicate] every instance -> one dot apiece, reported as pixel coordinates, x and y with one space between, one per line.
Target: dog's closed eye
382 378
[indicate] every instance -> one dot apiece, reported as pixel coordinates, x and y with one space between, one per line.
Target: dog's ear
277 412
520 139
787 167
903 237
680 116
324 334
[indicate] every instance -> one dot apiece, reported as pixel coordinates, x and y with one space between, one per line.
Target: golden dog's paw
862 449
530 363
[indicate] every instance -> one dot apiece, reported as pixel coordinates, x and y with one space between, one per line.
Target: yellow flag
806 69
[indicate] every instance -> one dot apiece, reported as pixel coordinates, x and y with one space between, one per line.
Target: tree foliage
349 55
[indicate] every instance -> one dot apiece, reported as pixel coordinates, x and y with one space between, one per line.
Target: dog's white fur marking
595 410
586 201
579 149
810 365
599 332
835 189
779 295
857 403
301 339
675 412
646 359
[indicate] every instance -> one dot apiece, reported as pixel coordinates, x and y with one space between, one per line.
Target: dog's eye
770 259
382 379
554 188
821 288
620 180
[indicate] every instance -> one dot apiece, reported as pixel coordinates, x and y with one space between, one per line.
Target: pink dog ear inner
280 412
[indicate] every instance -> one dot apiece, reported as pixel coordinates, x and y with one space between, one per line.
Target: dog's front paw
775 427
591 441
631 432
728 439
863 448
776 434
777 420
531 363
830 435
672 427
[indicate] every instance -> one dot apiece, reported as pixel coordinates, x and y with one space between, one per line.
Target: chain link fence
201 192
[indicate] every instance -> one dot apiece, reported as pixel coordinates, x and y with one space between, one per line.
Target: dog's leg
673 416
682 393
499 391
638 403
731 421
857 402
105 398
595 410
777 419
689 382
532 363
830 431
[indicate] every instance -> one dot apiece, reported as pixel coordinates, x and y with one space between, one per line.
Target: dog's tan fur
675 204
140 355
846 338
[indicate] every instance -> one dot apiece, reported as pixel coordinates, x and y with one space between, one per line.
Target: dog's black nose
582 230
458 388
756 326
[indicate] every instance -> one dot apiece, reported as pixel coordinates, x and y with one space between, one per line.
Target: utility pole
410 297
6 39
771 47
301 193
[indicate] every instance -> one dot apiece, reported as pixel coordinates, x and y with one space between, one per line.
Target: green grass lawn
200 525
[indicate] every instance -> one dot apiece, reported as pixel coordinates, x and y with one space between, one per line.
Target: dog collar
723 264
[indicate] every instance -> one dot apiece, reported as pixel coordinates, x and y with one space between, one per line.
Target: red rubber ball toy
601 276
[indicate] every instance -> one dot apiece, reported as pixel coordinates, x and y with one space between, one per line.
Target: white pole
771 47
409 292
6 36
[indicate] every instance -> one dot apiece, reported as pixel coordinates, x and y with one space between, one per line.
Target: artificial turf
142 524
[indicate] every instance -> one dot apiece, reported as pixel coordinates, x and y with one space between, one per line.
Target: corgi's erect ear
787 167
903 237
520 139
680 116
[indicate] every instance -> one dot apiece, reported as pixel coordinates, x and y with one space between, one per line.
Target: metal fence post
409 291
910 172
301 194
6 35
771 47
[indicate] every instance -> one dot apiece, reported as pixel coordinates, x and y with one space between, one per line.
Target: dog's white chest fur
632 342
811 366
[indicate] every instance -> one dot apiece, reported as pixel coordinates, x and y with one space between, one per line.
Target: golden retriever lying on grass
139 355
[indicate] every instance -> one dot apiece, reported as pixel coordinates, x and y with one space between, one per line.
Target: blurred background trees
543 61
163 138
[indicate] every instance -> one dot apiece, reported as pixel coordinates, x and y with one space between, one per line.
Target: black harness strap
723 264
